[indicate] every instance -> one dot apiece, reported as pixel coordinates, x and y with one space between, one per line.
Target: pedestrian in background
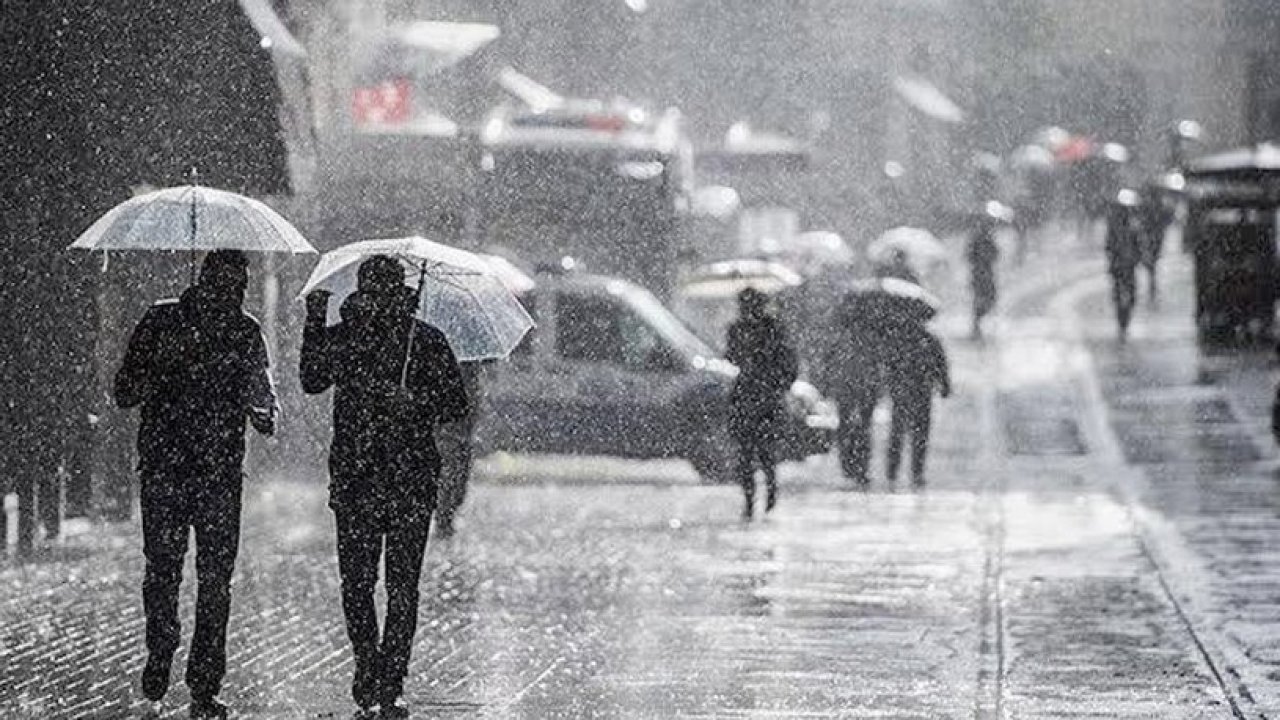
1125 228
198 368
767 365
854 378
1156 217
395 379
916 368
983 253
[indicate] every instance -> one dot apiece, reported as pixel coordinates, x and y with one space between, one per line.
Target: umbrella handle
408 345
195 183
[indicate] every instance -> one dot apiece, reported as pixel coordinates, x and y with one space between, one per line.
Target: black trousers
209 505
1124 293
754 427
912 415
856 412
382 659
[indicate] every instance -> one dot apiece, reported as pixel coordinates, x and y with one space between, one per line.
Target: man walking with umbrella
1124 253
197 367
854 370
395 378
917 368
767 365
983 252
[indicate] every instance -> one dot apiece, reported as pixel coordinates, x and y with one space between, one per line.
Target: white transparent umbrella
461 293
919 245
192 218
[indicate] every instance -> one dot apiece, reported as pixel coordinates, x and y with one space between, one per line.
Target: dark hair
223 263
379 273
751 297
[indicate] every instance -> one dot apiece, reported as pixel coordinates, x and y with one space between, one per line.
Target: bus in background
607 184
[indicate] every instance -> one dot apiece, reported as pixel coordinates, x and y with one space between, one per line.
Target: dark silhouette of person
455 441
767 365
855 380
1124 253
916 368
395 378
983 252
198 368
1156 217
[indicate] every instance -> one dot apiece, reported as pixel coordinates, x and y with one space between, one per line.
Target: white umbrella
192 218
509 274
727 278
459 292
918 244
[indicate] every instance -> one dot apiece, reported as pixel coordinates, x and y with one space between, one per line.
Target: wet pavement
1096 540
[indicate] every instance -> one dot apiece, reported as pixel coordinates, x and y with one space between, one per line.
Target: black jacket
767 363
383 461
917 365
197 367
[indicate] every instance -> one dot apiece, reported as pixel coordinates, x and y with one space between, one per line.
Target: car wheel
713 456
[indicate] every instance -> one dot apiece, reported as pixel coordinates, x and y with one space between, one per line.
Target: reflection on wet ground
1021 582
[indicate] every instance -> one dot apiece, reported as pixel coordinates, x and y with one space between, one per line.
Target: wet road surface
1096 540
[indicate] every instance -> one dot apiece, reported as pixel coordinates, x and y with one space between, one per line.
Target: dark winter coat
196 366
917 366
1124 241
857 350
983 253
767 365
383 462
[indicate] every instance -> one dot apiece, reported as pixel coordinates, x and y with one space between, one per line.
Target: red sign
387 103
1076 149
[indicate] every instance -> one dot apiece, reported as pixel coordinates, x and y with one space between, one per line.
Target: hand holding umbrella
458 292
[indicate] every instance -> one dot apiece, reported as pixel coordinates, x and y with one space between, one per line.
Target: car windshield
681 338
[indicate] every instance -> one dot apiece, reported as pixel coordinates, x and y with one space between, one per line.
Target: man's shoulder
428 331
430 338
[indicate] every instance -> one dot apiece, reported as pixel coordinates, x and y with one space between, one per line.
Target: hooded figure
198 368
395 378
767 365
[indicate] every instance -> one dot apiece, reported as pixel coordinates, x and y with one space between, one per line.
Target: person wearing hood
198 368
395 379
767 365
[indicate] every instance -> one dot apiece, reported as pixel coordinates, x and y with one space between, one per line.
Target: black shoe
392 711
207 708
155 677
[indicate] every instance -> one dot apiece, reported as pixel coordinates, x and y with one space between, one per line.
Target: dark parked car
610 371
